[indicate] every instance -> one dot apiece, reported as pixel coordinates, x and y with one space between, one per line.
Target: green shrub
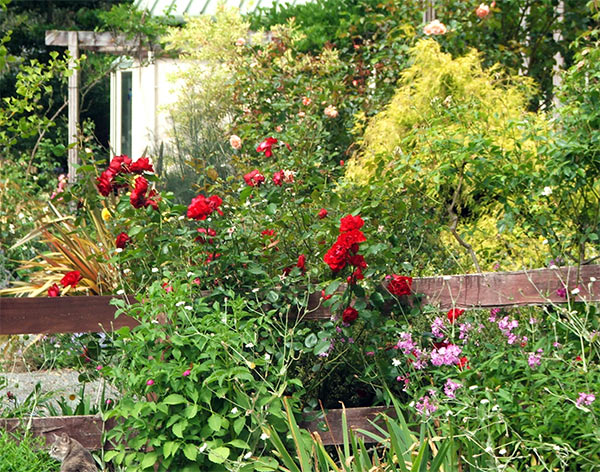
24 454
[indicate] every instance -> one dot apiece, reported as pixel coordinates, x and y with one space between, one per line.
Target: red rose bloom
138 194
399 285
301 262
266 146
453 314
150 201
209 232
322 213
349 315
71 278
201 207
119 164
141 165
463 363
254 178
122 240
349 223
268 232
358 261
351 239
104 183
336 257
53 291
278 178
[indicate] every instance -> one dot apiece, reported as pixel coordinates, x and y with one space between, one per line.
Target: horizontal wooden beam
89 429
95 41
49 315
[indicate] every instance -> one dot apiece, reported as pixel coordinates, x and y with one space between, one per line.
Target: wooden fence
92 314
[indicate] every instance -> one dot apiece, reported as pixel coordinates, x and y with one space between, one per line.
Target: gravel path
54 384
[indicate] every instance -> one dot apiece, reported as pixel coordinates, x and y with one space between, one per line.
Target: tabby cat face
61 447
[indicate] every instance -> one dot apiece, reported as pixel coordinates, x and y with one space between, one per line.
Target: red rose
278 178
254 178
336 257
71 278
324 296
122 240
138 194
351 239
266 146
104 183
119 164
209 232
322 213
358 261
141 165
150 200
399 285
268 232
463 362
453 314
349 223
356 275
201 207
301 262
53 291
349 315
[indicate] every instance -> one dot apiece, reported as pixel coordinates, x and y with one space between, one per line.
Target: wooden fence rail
92 314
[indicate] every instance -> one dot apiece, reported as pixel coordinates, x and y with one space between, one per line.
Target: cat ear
64 437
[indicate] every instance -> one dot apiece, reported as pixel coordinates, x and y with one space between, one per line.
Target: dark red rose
104 183
301 262
53 291
356 275
141 165
214 203
351 239
119 164
349 315
358 261
254 178
278 178
399 285
152 199
138 194
266 146
349 223
71 278
453 314
322 213
122 240
337 256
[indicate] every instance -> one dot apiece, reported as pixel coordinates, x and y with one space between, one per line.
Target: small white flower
489 450
411 404
267 356
449 413
249 345
484 401
190 274
254 290
182 217
231 230
396 362
547 191
11 227
21 215
248 455
495 408
203 447
473 387
118 250
180 303
120 292
545 241
154 270
188 307
380 229
553 266
592 279
126 271
575 291
234 410
556 447
502 451
264 436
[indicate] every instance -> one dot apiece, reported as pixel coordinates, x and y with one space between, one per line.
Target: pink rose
331 112
235 141
482 11
434 28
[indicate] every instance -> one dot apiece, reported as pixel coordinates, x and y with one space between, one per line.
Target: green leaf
170 448
190 411
149 460
178 428
332 287
272 296
190 451
239 424
239 443
321 347
218 455
174 399
215 422
311 340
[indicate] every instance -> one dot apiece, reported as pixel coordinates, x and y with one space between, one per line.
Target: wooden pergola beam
107 42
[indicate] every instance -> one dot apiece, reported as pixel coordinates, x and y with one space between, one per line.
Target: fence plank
49 315
506 289
87 429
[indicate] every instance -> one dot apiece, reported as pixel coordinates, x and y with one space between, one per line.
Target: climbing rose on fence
254 178
141 165
201 207
453 314
399 284
71 278
122 240
104 183
266 146
349 315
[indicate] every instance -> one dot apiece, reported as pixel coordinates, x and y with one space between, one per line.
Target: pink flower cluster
406 343
506 325
451 387
437 327
535 358
425 407
585 399
446 355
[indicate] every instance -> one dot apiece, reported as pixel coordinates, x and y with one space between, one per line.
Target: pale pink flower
585 399
235 141
279 128
301 114
306 101
331 111
288 176
435 28
98 367
482 10
450 387
240 42
446 355
424 407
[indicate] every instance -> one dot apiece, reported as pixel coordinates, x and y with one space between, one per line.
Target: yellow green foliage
450 136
